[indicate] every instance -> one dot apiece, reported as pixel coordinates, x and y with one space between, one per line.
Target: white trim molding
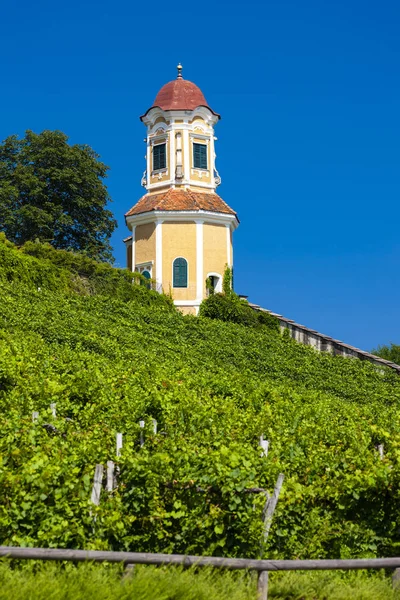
218 287
159 257
187 302
147 263
199 260
186 156
184 216
152 115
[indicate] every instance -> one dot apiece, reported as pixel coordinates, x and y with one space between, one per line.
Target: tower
181 229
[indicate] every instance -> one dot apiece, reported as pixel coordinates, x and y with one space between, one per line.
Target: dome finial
179 67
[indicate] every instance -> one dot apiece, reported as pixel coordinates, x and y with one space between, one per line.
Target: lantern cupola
180 138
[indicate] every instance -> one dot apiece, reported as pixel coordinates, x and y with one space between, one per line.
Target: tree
391 353
54 192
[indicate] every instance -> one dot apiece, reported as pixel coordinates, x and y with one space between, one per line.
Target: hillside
109 354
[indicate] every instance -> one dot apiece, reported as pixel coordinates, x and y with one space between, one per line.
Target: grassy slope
146 583
109 359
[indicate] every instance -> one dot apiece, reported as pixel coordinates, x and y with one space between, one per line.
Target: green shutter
200 156
159 157
146 275
180 273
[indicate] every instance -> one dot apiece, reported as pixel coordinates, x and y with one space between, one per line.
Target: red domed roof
180 94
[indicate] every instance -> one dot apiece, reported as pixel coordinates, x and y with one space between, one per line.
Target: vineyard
108 355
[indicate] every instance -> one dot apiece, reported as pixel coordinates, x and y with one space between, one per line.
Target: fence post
264 444
110 476
396 579
119 443
262 585
268 512
141 425
380 450
97 482
53 409
35 416
154 426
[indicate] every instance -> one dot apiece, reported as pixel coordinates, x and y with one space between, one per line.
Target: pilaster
159 257
199 260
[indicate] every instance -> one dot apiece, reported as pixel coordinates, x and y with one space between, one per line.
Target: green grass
330 585
87 582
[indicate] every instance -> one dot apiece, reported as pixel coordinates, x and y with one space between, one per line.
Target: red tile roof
180 199
180 94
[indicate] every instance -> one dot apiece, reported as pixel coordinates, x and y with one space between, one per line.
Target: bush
42 266
268 320
231 308
228 308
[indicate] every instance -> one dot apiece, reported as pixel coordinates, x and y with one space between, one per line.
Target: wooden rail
145 558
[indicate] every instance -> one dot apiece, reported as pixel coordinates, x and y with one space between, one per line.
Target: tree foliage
231 308
228 306
391 353
54 192
227 281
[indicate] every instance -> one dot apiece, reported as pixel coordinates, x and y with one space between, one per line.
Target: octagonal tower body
181 229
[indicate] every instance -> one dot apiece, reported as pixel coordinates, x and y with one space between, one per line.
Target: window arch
180 273
213 283
146 275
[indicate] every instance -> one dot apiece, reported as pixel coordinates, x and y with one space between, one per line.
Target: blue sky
308 145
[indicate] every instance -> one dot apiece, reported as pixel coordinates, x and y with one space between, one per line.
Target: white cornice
202 111
187 302
183 216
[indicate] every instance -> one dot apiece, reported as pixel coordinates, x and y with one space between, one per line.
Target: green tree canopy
54 192
391 353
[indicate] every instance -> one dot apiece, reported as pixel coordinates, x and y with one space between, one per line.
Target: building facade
181 230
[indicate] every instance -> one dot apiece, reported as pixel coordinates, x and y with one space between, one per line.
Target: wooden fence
263 567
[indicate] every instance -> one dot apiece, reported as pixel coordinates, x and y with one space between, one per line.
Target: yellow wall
179 239
145 244
215 258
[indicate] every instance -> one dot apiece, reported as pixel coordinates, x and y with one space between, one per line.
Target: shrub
268 320
42 266
228 308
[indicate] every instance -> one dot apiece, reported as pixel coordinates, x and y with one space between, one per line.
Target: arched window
179 272
147 275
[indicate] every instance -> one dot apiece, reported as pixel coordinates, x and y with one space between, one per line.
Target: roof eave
179 110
